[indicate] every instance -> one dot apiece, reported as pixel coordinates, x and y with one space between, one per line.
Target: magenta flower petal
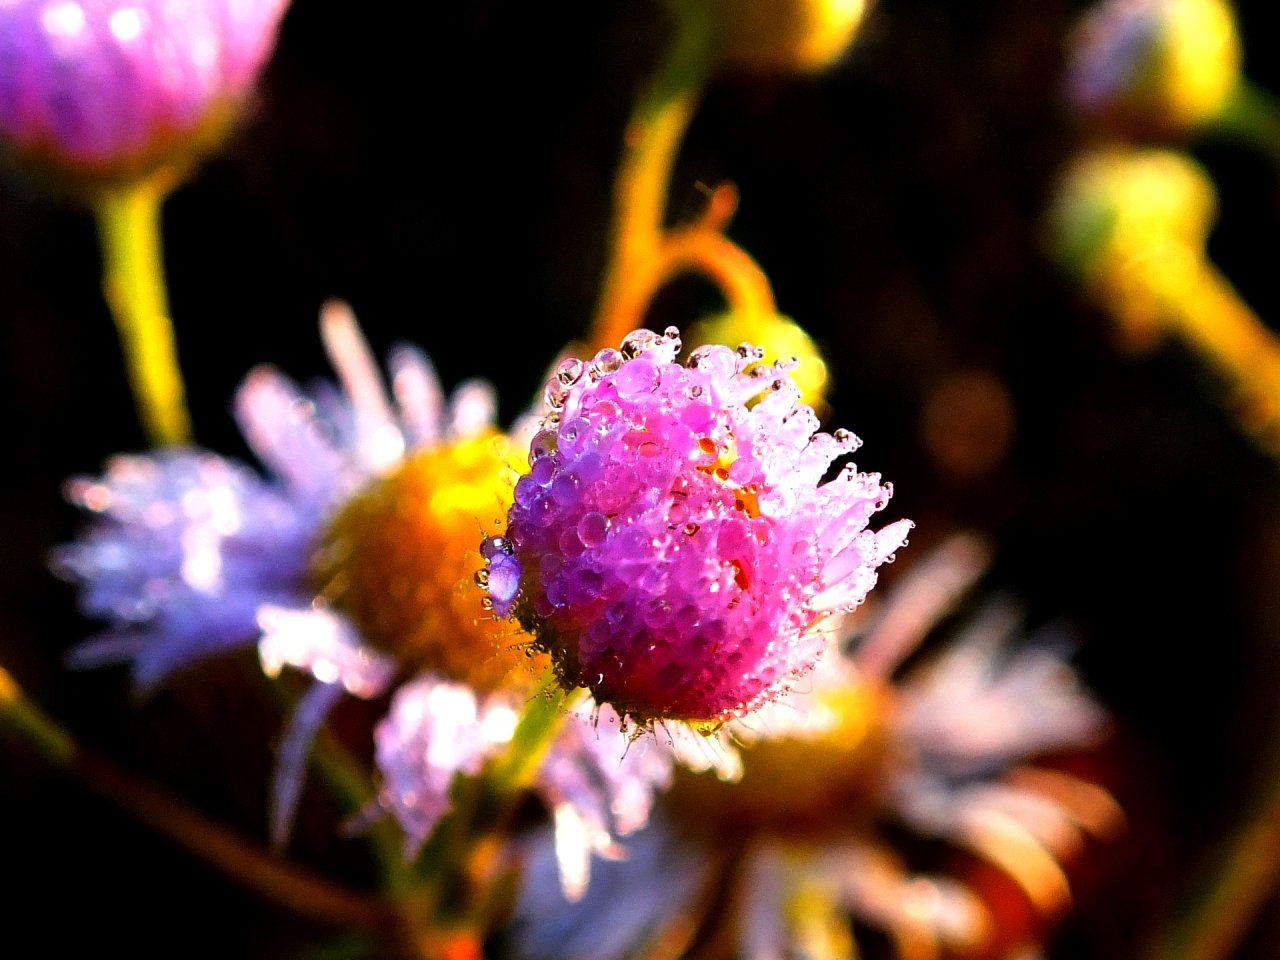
676 542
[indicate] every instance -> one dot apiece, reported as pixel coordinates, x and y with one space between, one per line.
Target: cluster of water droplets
673 543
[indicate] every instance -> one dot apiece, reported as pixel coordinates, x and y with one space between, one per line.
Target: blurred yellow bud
1153 66
1122 206
791 35
1132 224
781 339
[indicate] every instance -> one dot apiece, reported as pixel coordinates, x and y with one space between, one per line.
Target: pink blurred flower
109 90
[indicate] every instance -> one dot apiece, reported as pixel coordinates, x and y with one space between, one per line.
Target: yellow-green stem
536 730
1236 884
481 812
1252 116
650 142
134 287
1192 300
215 844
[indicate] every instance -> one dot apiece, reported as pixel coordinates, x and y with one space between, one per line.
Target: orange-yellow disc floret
823 776
401 560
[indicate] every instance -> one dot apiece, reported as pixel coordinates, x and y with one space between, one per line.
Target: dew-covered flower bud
1153 67
106 91
675 544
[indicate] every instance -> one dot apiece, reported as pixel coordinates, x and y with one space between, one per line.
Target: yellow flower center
401 561
823 776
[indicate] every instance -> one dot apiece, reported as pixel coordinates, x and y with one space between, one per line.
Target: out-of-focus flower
105 91
1162 67
356 562
1132 225
799 845
790 35
673 546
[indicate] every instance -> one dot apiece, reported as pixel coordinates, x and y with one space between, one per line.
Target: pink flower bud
109 90
675 543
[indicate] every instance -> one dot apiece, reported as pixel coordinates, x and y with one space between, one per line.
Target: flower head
109 90
353 561
674 545
1153 66
799 846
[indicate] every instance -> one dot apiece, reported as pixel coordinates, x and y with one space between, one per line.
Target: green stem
1236 884
134 287
482 809
215 844
541 720
1251 115
32 725
347 779
349 782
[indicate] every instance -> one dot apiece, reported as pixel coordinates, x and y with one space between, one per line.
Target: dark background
448 172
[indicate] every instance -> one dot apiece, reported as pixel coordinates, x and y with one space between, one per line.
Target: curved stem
643 254
134 287
215 844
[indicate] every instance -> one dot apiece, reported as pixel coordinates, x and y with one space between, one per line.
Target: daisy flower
776 864
354 561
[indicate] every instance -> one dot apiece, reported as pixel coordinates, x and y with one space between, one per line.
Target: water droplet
570 371
607 361
637 342
495 547
691 528
543 471
482 578
555 394
593 528
544 444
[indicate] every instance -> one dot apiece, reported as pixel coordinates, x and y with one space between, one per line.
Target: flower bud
1123 206
1153 67
101 92
801 36
674 546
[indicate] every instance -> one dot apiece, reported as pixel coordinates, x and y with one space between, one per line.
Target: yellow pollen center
821 777
401 560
